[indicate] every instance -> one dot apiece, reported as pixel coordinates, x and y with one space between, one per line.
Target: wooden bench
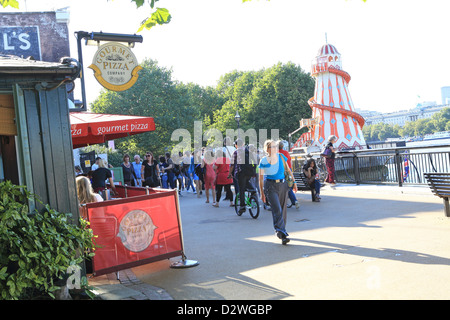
440 186
302 184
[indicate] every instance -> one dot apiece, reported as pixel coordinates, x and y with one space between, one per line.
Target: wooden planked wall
50 144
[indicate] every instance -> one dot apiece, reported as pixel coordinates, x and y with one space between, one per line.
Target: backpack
249 167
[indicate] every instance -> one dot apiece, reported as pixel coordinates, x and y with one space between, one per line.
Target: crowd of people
237 166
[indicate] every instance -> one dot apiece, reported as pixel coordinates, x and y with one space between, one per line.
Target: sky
397 52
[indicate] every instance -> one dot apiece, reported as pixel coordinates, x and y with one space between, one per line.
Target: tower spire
326 40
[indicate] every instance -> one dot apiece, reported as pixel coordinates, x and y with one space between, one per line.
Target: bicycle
251 203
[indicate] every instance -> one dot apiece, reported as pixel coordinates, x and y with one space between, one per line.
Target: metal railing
403 165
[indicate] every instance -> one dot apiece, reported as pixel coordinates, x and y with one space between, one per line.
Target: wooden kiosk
35 137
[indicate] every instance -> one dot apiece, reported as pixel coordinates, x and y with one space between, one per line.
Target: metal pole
356 169
80 35
183 263
398 164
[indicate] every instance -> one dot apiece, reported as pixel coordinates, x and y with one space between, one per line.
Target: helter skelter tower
332 107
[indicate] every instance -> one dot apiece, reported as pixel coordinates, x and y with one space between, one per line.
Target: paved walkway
127 287
360 242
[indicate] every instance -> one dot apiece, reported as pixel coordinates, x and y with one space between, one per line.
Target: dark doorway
8 155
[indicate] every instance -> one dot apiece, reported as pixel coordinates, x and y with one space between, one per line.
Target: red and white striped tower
332 107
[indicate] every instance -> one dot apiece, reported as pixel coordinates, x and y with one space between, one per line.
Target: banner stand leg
183 263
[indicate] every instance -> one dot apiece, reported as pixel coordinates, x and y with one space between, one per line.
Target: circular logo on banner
136 230
115 66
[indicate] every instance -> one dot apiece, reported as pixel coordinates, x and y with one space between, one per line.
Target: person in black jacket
150 171
128 171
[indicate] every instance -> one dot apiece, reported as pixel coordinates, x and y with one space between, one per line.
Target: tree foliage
273 98
36 249
158 16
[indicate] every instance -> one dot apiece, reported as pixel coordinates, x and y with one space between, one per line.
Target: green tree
236 89
367 132
204 101
420 127
381 131
408 130
273 98
441 119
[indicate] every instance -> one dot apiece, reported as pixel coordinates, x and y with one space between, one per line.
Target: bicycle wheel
254 206
237 205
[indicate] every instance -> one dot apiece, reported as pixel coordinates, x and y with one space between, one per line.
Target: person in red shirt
222 168
209 176
293 189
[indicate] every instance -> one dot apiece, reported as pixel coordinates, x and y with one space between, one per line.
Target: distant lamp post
237 117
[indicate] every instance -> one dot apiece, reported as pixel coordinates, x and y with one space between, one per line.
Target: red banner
135 231
92 128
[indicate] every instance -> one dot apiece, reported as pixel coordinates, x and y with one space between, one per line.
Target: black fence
404 165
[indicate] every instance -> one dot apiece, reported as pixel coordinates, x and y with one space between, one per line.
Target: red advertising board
135 231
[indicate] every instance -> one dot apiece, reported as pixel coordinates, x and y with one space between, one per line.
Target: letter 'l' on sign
115 66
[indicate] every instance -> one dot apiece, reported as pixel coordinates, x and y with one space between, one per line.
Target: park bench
302 184
440 186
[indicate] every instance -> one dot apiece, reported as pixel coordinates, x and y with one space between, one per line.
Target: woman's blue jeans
164 181
189 182
291 195
317 186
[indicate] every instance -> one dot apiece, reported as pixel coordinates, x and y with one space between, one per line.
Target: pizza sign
136 230
115 66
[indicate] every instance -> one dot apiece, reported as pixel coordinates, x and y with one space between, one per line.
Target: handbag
326 152
287 174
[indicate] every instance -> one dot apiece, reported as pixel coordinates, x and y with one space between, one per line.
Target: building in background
40 36
445 93
423 110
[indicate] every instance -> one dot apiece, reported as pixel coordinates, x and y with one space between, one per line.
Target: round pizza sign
115 66
136 230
